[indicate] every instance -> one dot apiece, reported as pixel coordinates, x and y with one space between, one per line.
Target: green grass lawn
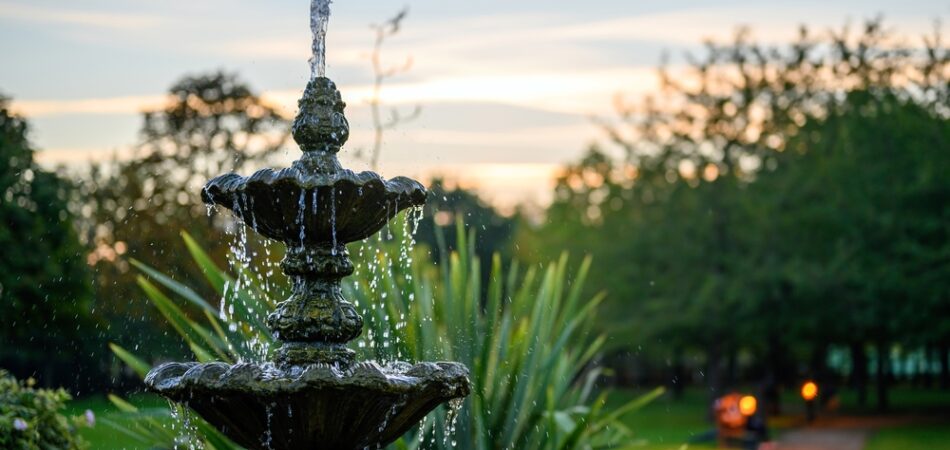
929 437
103 436
903 400
665 424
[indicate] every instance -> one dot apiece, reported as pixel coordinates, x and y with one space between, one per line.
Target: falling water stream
319 18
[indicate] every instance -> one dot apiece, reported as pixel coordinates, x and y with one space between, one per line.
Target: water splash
451 420
301 215
268 438
249 282
319 19
333 218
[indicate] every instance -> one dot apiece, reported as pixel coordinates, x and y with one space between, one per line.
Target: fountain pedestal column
316 322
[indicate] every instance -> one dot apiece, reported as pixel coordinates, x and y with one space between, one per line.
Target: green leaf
122 405
174 286
211 271
140 367
186 328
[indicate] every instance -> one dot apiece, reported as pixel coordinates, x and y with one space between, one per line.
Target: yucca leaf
630 406
214 275
174 286
122 405
185 327
138 366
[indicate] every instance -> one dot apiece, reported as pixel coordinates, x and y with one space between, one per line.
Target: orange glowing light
747 405
809 391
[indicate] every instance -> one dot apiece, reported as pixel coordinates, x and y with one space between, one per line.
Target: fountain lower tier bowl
314 209
263 406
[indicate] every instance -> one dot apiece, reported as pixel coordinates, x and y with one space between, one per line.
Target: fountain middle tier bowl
263 406
314 209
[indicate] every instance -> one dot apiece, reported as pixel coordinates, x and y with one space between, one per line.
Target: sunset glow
508 90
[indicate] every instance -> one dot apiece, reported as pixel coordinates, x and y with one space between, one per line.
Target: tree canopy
773 201
45 292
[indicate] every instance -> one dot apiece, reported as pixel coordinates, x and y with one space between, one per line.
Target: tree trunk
678 379
883 376
859 372
944 356
770 388
926 374
731 369
819 363
714 369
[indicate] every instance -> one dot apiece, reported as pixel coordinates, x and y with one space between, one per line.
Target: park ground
919 419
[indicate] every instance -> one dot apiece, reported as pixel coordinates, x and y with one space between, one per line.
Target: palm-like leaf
525 336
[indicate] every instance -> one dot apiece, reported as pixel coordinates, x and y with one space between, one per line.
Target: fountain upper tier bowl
300 207
316 202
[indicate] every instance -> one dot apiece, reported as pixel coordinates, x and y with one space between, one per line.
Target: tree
871 222
45 290
697 259
381 73
136 207
448 205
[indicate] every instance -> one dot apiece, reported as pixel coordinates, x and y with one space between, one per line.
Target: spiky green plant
526 337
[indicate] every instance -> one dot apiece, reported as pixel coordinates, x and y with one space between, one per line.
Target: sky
508 89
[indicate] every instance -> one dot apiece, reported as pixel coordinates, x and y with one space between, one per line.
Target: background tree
447 205
869 227
698 253
136 207
45 290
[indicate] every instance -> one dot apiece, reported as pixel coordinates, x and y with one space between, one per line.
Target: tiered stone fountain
314 395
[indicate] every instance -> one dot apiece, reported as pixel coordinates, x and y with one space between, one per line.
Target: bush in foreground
30 418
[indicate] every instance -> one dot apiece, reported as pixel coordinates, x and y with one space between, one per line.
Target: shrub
30 418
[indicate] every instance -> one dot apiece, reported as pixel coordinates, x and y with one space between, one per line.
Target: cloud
114 105
53 157
29 13
504 185
579 92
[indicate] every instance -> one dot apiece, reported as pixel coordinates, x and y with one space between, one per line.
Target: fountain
314 394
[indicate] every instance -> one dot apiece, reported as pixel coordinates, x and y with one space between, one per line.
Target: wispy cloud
579 92
506 186
114 105
37 14
53 157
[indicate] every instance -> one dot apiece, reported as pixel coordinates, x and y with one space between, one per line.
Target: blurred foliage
525 336
135 204
31 419
771 202
45 294
447 204
529 347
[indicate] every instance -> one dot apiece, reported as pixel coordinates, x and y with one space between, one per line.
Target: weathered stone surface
321 126
279 204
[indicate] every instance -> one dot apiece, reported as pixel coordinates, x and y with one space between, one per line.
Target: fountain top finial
320 125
